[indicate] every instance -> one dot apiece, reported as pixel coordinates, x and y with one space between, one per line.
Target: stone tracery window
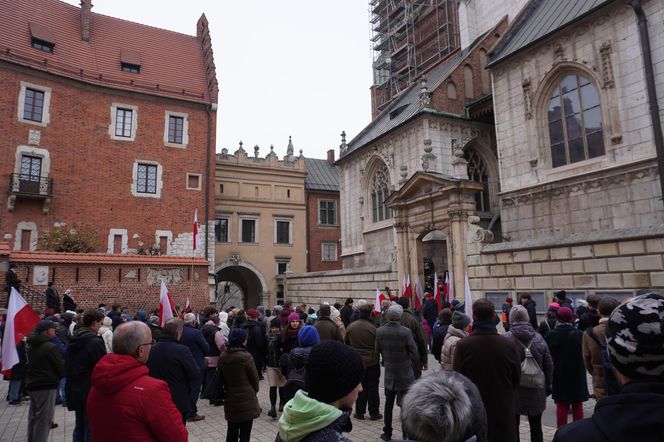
575 121
477 172
379 188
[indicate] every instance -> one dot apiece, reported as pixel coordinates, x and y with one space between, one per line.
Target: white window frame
18 239
111 240
134 121
134 179
33 152
185 129
290 231
336 216
256 230
46 115
200 181
322 251
282 260
228 229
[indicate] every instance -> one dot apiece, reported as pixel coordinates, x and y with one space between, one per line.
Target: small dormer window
132 68
130 61
42 45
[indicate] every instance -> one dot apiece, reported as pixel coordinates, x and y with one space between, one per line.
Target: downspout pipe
652 91
208 110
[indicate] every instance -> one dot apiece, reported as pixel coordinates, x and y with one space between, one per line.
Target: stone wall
337 285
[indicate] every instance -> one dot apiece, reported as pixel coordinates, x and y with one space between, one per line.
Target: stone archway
248 278
433 202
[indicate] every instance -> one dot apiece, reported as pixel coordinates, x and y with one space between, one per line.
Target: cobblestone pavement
13 421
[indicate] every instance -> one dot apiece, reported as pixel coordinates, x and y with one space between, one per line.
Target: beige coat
592 358
453 336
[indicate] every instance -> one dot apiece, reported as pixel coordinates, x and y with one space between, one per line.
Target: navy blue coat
193 338
634 414
173 362
430 312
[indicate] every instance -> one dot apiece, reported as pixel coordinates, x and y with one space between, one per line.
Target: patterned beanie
635 337
332 371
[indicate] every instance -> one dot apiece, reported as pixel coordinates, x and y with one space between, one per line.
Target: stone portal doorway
434 258
239 282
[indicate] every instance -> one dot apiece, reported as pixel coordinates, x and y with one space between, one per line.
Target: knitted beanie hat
460 321
519 313
253 313
275 323
635 337
332 371
308 336
236 337
394 312
293 317
565 314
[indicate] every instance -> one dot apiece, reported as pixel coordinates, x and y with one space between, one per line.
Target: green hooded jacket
303 416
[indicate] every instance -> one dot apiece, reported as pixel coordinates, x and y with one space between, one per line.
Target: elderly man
45 369
395 342
124 402
194 339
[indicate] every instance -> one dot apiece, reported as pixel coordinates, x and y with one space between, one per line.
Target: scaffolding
408 37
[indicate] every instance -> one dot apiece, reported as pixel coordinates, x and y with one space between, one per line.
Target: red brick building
321 188
105 123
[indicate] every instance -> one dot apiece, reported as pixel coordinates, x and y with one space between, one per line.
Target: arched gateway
247 277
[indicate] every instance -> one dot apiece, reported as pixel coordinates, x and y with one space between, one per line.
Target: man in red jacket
124 402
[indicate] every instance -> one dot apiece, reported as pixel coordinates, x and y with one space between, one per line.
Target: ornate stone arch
377 186
481 160
549 82
237 261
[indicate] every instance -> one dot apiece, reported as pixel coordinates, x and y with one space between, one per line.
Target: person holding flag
21 320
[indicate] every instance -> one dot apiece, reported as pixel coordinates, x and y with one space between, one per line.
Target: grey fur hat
444 407
394 312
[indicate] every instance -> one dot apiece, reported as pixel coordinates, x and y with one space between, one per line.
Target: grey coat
532 401
395 342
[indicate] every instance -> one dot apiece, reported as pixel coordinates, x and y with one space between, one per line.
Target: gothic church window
380 190
477 172
468 90
575 121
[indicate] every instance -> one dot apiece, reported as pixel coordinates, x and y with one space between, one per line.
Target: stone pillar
457 241
403 260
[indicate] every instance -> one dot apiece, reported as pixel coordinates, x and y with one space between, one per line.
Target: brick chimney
330 156
86 16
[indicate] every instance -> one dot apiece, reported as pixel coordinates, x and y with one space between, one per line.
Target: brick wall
92 173
322 233
130 280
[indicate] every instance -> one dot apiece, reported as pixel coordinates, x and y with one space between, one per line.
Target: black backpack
611 384
294 380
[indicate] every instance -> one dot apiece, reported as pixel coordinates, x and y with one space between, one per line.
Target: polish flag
21 320
449 287
380 297
166 305
417 299
187 306
406 290
195 228
467 298
437 295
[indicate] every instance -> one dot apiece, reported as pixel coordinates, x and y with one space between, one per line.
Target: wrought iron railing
30 185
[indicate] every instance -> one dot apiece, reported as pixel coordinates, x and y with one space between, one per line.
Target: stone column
458 228
403 259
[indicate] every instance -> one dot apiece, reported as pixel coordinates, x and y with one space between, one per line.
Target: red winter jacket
128 405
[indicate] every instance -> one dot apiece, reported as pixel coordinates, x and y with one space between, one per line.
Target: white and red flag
21 320
380 297
406 290
449 287
195 229
437 295
166 305
187 306
468 300
419 293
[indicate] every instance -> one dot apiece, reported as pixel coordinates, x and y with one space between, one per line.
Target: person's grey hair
360 303
189 318
173 326
129 336
443 407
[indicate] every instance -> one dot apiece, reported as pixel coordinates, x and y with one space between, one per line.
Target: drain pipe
652 92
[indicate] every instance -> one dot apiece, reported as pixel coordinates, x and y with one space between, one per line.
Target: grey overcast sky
287 67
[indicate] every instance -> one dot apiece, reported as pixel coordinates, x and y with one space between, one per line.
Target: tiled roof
538 20
103 258
4 249
408 104
321 175
172 64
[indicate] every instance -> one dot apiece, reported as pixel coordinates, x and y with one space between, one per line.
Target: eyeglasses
148 343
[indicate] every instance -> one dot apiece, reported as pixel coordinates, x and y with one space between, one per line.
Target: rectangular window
163 245
33 107
327 213
42 45
221 229
131 68
282 231
175 129
329 251
282 267
193 181
123 121
30 168
248 230
146 178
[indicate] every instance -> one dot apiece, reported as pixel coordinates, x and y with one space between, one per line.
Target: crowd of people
130 377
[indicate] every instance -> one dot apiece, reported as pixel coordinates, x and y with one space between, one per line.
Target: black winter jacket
45 364
256 342
634 414
85 349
